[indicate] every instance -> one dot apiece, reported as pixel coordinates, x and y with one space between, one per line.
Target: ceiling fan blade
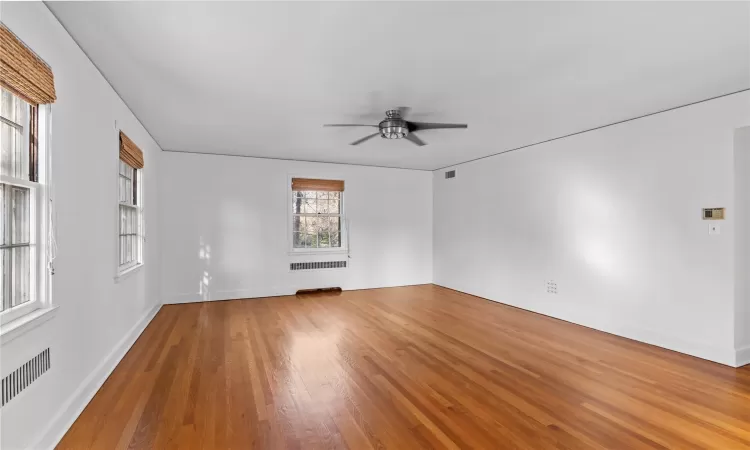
404 111
348 125
414 139
357 142
419 126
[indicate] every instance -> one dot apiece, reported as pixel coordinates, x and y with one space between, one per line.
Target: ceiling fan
395 126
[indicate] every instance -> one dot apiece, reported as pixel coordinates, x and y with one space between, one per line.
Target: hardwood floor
405 368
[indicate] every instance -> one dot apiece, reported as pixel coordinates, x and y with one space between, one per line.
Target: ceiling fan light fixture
393 132
394 126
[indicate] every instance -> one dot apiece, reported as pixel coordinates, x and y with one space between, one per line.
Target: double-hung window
21 207
130 206
317 214
27 87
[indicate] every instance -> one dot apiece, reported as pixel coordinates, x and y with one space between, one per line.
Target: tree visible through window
316 221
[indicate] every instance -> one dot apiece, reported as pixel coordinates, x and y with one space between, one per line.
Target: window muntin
130 218
18 205
316 219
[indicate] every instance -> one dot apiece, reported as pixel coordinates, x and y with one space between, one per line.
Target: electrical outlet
551 287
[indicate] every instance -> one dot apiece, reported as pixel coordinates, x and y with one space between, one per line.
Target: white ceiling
259 79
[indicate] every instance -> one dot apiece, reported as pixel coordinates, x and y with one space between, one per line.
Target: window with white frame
21 192
130 218
317 214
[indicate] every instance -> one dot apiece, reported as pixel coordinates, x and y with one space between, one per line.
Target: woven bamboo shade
130 154
310 184
22 72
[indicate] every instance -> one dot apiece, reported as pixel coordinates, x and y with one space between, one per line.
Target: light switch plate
714 228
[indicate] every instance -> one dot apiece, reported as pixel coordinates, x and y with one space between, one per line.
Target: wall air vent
450 174
21 378
316 265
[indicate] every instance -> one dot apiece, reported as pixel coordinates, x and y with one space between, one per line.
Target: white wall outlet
714 228
551 287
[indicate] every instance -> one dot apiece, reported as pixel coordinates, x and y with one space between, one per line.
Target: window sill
318 252
23 324
127 273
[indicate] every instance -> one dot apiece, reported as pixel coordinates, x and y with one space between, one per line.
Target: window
130 206
27 87
130 218
317 211
20 191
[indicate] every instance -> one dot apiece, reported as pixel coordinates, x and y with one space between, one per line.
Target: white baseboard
70 411
196 297
742 356
261 292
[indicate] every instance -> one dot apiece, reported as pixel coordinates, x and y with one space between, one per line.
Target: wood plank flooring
404 368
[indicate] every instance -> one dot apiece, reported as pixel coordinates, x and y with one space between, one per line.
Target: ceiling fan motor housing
393 127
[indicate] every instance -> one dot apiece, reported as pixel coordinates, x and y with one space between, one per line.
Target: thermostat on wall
713 213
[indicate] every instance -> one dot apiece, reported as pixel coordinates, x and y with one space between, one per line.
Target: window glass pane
322 195
309 206
21 275
335 224
334 195
334 206
324 239
324 223
4 277
3 213
335 241
312 240
15 159
14 155
123 219
126 185
20 215
299 240
11 107
311 225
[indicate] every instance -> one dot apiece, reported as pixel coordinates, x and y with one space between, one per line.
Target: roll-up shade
311 184
22 72
130 154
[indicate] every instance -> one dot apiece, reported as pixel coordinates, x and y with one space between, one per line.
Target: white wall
742 249
614 217
237 209
95 314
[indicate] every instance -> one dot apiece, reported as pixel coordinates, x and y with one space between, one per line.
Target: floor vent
317 265
22 377
325 291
